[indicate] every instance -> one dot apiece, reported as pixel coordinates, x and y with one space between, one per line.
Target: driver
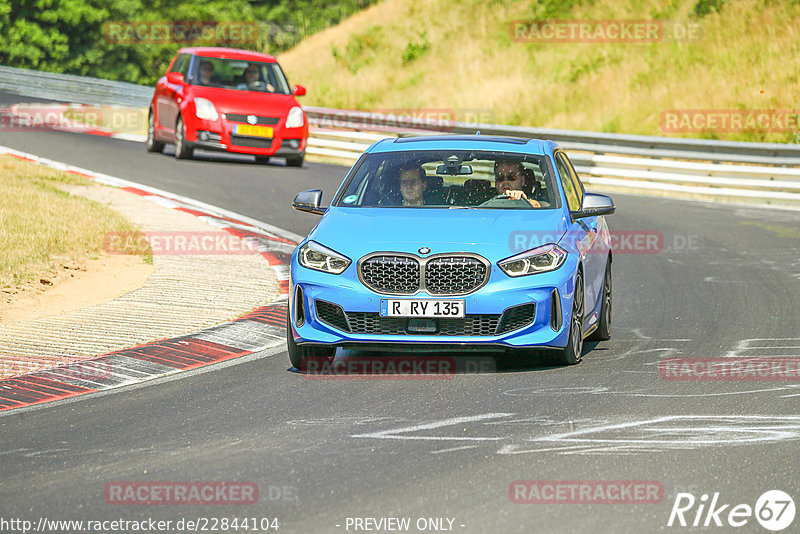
252 77
509 180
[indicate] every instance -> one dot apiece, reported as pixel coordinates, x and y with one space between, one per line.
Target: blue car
453 242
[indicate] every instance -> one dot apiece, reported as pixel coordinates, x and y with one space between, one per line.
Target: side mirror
309 201
595 205
174 77
299 90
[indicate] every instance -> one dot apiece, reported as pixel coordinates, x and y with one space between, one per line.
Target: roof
228 53
466 142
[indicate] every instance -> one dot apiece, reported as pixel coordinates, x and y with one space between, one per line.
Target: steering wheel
257 85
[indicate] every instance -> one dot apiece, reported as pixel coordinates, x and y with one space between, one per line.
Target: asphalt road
726 283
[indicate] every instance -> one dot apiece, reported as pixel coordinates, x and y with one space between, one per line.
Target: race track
726 282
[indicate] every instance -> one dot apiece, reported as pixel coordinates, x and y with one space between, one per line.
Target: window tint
575 178
449 179
181 64
573 200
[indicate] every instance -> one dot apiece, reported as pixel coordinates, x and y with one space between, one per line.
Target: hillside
461 55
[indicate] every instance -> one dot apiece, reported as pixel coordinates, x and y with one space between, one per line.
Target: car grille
438 275
454 275
471 325
250 142
235 117
399 275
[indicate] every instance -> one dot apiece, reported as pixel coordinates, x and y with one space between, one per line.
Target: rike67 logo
774 510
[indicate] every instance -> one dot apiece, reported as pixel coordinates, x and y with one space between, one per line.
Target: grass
461 55
41 224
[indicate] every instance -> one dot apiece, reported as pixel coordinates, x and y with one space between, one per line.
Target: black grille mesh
331 314
516 317
391 274
453 275
486 324
235 117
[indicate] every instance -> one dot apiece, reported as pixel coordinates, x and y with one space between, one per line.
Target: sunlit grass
41 224
460 55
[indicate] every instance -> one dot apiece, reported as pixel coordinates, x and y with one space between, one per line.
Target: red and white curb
258 330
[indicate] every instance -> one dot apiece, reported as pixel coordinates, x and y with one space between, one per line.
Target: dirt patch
73 285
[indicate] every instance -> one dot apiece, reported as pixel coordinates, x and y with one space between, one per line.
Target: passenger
412 185
207 76
510 180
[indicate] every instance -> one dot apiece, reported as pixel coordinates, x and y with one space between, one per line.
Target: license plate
252 130
453 309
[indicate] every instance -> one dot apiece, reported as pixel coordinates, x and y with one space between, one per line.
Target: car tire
262 160
300 356
572 353
603 331
182 150
295 161
151 144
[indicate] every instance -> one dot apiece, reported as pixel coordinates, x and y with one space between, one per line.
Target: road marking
393 433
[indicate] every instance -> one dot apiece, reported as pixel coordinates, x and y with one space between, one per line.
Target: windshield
450 179
239 74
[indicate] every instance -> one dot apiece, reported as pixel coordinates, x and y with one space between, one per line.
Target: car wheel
182 151
151 143
262 160
295 162
572 353
301 356
603 331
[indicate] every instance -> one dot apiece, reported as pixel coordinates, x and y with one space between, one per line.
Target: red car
227 99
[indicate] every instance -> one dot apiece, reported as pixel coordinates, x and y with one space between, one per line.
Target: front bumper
551 293
218 135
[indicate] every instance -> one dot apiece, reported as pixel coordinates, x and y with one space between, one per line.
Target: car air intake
331 314
299 307
235 117
555 310
476 324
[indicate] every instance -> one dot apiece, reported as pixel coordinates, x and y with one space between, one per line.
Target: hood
494 233
246 102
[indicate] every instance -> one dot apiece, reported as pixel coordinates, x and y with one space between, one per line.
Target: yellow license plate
252 131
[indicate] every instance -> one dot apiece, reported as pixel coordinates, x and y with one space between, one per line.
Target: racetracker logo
177 243
585 492
402 119
604 31
620 241
89 370
127 32
181 493
730 369
730 120
774 510
397 367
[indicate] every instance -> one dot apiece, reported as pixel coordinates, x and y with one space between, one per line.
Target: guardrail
766 172
756 171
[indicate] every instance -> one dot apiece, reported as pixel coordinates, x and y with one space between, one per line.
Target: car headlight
205 110
295 118
314 256
539 260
